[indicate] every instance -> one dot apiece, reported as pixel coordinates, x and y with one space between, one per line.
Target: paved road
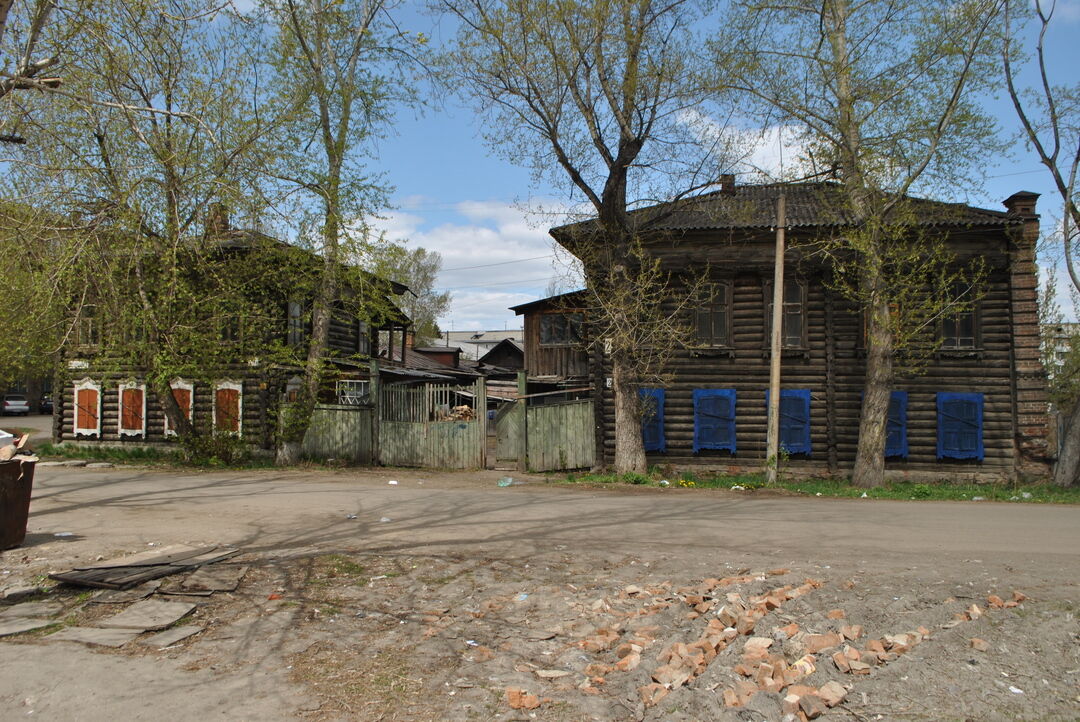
40 423
915 552
460 511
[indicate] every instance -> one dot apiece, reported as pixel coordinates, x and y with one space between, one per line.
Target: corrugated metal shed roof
808 205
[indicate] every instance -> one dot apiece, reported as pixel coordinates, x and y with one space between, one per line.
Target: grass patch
943 491
336 566
148 455
106 453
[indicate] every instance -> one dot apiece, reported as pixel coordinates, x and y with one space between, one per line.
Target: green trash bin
16 483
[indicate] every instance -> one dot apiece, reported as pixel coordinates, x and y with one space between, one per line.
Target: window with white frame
184 394
352 392
87 408
228 407
132 421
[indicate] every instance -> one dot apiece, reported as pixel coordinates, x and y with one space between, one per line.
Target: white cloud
496 255
757 154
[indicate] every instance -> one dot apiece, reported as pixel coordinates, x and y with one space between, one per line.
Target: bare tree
157 127
337 78
882 94
1049 114
600 97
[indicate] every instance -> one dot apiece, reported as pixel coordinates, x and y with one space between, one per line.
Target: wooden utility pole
772 442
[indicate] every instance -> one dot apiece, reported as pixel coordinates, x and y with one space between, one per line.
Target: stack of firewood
461 413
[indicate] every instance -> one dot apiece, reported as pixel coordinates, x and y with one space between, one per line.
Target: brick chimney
1022 203
727 184
1029 377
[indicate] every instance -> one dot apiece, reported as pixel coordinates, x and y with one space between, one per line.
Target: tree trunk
870 457
1067 468
178 420
629 448
288 452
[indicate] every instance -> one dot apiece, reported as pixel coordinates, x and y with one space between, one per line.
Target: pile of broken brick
762 669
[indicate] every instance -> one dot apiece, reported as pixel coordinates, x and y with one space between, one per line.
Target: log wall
561 361
258 403
832 367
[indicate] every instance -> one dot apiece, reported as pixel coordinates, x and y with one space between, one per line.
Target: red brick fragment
520 699
817 642
652 693
832 693
812 706
836 614
980 644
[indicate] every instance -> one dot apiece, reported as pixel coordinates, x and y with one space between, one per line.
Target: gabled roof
420 362
809 205
505 343
571 299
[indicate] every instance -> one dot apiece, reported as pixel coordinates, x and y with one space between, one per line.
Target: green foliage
419 270
138 454
220 450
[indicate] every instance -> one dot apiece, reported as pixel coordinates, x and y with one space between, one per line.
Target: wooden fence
413 426
340 432
417 426
560 436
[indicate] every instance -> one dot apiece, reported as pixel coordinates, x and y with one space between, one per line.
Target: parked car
16 404
46 406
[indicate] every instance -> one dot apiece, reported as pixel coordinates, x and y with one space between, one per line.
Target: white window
184 393
228 407
352 393
87 408
132 421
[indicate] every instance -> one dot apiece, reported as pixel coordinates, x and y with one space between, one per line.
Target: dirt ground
446 597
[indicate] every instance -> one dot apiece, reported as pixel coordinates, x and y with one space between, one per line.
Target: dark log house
978 409
105 402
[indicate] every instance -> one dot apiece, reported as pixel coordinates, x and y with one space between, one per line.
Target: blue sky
454 196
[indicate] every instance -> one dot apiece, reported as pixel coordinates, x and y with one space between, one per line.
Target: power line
500 283
501 263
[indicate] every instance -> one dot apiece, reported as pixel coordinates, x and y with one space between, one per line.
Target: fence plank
340 432
560 436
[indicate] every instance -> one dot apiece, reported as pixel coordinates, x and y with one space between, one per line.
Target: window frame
295 324
179 385
767 297
87 328
700 443
363 337
722 296
975 312
131 386
567 341
660 446
86 384
979 399
238 387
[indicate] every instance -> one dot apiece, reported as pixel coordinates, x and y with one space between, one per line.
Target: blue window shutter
896 443
652 419
960 426
714 419
794 420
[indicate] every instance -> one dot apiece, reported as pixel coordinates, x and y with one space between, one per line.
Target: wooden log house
978 409
102 402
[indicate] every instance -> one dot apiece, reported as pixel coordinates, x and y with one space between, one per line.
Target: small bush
215 450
